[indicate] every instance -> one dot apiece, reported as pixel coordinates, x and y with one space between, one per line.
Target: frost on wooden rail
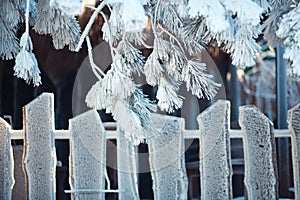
166 158
294 125
259 154
215 163
6 161
88 156
40 155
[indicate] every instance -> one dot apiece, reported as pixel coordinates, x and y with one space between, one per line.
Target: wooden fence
87 136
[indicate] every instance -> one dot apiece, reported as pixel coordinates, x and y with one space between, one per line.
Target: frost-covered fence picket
88 136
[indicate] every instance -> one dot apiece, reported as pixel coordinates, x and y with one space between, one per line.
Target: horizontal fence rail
113 134
88 135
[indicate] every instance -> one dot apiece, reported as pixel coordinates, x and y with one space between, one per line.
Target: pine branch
133 58
270 26
289 31
63 27
167 95
198 81
26 66
9 46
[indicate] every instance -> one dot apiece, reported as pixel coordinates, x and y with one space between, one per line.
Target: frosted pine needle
247 11
135 37
63 27
100 98
271 26
153 69
129 122
176 62
289 30
10 13
169 15
198 80
93 99
212 12
121 85
26 66
143 106
9 46
66 32
167 95
133 58
111 33
154 66
243 48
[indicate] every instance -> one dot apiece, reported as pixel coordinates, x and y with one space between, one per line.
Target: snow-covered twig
95 68
89 25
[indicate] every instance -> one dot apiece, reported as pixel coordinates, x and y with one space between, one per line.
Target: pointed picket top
215 156
294 126
259 154
39 147
167 159
6 161
87 156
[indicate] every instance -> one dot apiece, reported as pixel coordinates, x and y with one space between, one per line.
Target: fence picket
127 176
166 154
294 125
166 158
215 158
87 156
6 162
259 154
39 150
